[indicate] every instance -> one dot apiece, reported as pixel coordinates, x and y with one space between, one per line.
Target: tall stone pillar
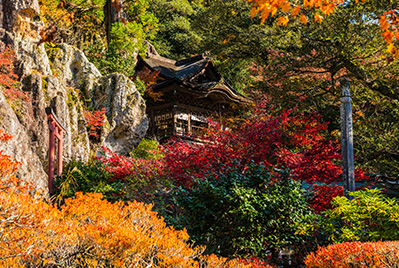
348 162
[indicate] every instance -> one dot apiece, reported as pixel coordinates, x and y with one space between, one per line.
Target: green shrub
86 178
369 216
111 60
147 149
242 212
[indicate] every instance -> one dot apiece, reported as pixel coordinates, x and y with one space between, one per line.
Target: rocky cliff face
61 77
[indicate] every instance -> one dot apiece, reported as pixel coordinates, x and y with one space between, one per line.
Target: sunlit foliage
88 231
369 216
294 9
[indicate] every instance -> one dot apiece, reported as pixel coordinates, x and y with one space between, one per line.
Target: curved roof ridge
170 68
160 58
185 71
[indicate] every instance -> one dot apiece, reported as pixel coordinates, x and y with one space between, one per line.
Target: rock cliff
61 77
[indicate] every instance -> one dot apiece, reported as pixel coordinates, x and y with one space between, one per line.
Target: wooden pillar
348 162
51 158
174 113
59 158
152 124
174 124
189 123
56 130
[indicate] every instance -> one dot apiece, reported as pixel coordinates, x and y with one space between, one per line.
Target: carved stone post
348 162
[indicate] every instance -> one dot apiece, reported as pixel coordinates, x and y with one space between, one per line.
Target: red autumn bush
278 139
123 167
139 179
286 139
324 195
8 79
356 254
95 121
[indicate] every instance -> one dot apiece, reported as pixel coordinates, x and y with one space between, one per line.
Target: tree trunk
113 12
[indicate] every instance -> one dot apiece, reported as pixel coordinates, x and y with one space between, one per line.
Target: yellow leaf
318 18
390 48
304 19
274 10
283 20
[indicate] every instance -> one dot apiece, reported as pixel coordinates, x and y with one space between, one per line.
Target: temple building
182 96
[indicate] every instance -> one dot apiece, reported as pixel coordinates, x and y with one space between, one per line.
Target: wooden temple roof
197 75
181 70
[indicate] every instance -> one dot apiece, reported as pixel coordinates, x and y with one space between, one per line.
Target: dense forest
283 63
264 192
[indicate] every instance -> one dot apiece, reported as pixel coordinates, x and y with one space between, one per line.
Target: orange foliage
88 232
267 8
389 22
17 207
91 231
150 80
55 12
356 254
7 165
7 75
55 17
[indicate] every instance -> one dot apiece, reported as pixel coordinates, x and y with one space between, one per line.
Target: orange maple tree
267 8
389 21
